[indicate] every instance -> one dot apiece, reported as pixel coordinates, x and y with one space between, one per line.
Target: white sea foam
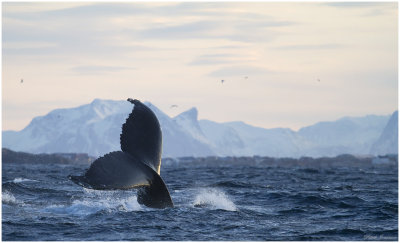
8 198
95 201
19 180
213 198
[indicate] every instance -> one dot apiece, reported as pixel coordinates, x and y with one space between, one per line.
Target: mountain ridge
94 129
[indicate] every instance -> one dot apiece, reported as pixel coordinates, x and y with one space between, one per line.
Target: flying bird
173 106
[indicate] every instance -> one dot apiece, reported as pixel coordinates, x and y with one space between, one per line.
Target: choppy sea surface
212 203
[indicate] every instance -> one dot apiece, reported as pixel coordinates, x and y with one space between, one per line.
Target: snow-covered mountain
353 135
388 141
88 128
95 128
239 138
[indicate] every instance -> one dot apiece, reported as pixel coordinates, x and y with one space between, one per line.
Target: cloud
239 71
199 29
29 7
89 11
27 45
234 30
98 69
312 47
373 8
218 59
107 29
107 10
354 4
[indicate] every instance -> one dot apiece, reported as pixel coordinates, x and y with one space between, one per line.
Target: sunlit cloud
98 69
312 47
354 4
180 51
240 71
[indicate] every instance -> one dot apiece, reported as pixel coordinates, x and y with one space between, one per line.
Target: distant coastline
10 156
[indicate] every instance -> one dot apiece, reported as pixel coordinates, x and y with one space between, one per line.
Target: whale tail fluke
79 180
141 135
121 171
137 165
156 195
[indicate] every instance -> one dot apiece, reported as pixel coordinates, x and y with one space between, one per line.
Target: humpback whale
138 163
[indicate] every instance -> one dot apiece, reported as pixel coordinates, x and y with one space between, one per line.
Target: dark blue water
235 203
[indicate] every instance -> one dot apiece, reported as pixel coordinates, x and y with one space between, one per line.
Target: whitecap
19 180
213 198
95 201
8 198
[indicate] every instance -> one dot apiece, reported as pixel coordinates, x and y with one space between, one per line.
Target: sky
283 64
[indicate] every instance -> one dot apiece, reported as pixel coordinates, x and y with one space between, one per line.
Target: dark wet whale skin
137 165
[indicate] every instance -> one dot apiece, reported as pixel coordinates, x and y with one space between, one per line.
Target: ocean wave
21 188
334 234
233 184
340 232
98 201
308 170
292 211
8 198
19 180
344 187
239 184
213 198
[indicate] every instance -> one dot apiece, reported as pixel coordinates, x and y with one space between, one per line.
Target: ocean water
212 203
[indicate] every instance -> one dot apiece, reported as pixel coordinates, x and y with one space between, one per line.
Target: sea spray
19 180
213 198
8 198
95 201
